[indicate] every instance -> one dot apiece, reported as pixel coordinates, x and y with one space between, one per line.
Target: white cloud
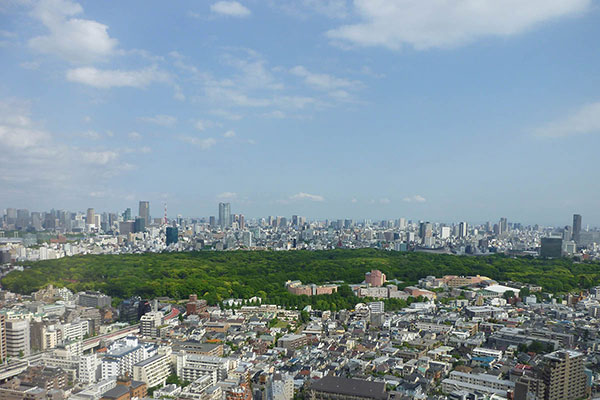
227 195
582 121
307 196
447 23
230 8
73 39
204 144
354 200
33 157
160 119
322 81
384 201
135 135
145 149
229 134
99 157
417 198
106 79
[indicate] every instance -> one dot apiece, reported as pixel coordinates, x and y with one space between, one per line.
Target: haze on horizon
428 110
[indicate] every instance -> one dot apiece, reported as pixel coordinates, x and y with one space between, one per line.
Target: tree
509 294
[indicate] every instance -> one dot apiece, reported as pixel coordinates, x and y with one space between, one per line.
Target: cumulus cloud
105 79
230 9
134 135
384 200
34 158
446 23
307 196
417 198
73 39
204 144
229 134
160 119
585 120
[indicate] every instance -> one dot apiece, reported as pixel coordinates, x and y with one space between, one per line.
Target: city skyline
347 116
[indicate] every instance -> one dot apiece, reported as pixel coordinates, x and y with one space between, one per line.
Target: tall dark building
139 225
144 211
551 247
171 234
576 227
127 215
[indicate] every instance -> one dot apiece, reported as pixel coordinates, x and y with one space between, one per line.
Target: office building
90 216
224 215
144 211
576 227
171 235
463 228
425 231
139 225
564 376
551 247
127 215
17 338
94 299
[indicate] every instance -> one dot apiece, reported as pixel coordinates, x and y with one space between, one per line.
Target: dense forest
216 276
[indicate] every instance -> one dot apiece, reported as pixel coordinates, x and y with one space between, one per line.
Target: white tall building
88 367
149 322
17 338
154 370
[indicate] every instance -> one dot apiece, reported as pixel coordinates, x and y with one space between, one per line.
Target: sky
441 110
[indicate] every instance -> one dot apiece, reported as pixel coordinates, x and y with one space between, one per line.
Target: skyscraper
503 226
576 227
463 228
171 235
144 211
90 217
224 215
127 215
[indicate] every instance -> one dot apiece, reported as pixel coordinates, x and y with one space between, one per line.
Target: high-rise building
22 219
503 226
224 215
576 227
171 235
17 338
144 211
551 247
11 216
564 376
463 228
127 215
90 217
212 221
139 225
425 230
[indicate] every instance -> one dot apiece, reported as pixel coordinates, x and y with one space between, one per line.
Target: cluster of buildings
28 235
467 337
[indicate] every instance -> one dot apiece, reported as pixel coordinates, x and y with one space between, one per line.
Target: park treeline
217 276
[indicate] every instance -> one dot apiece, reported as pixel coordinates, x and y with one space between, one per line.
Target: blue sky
443 110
